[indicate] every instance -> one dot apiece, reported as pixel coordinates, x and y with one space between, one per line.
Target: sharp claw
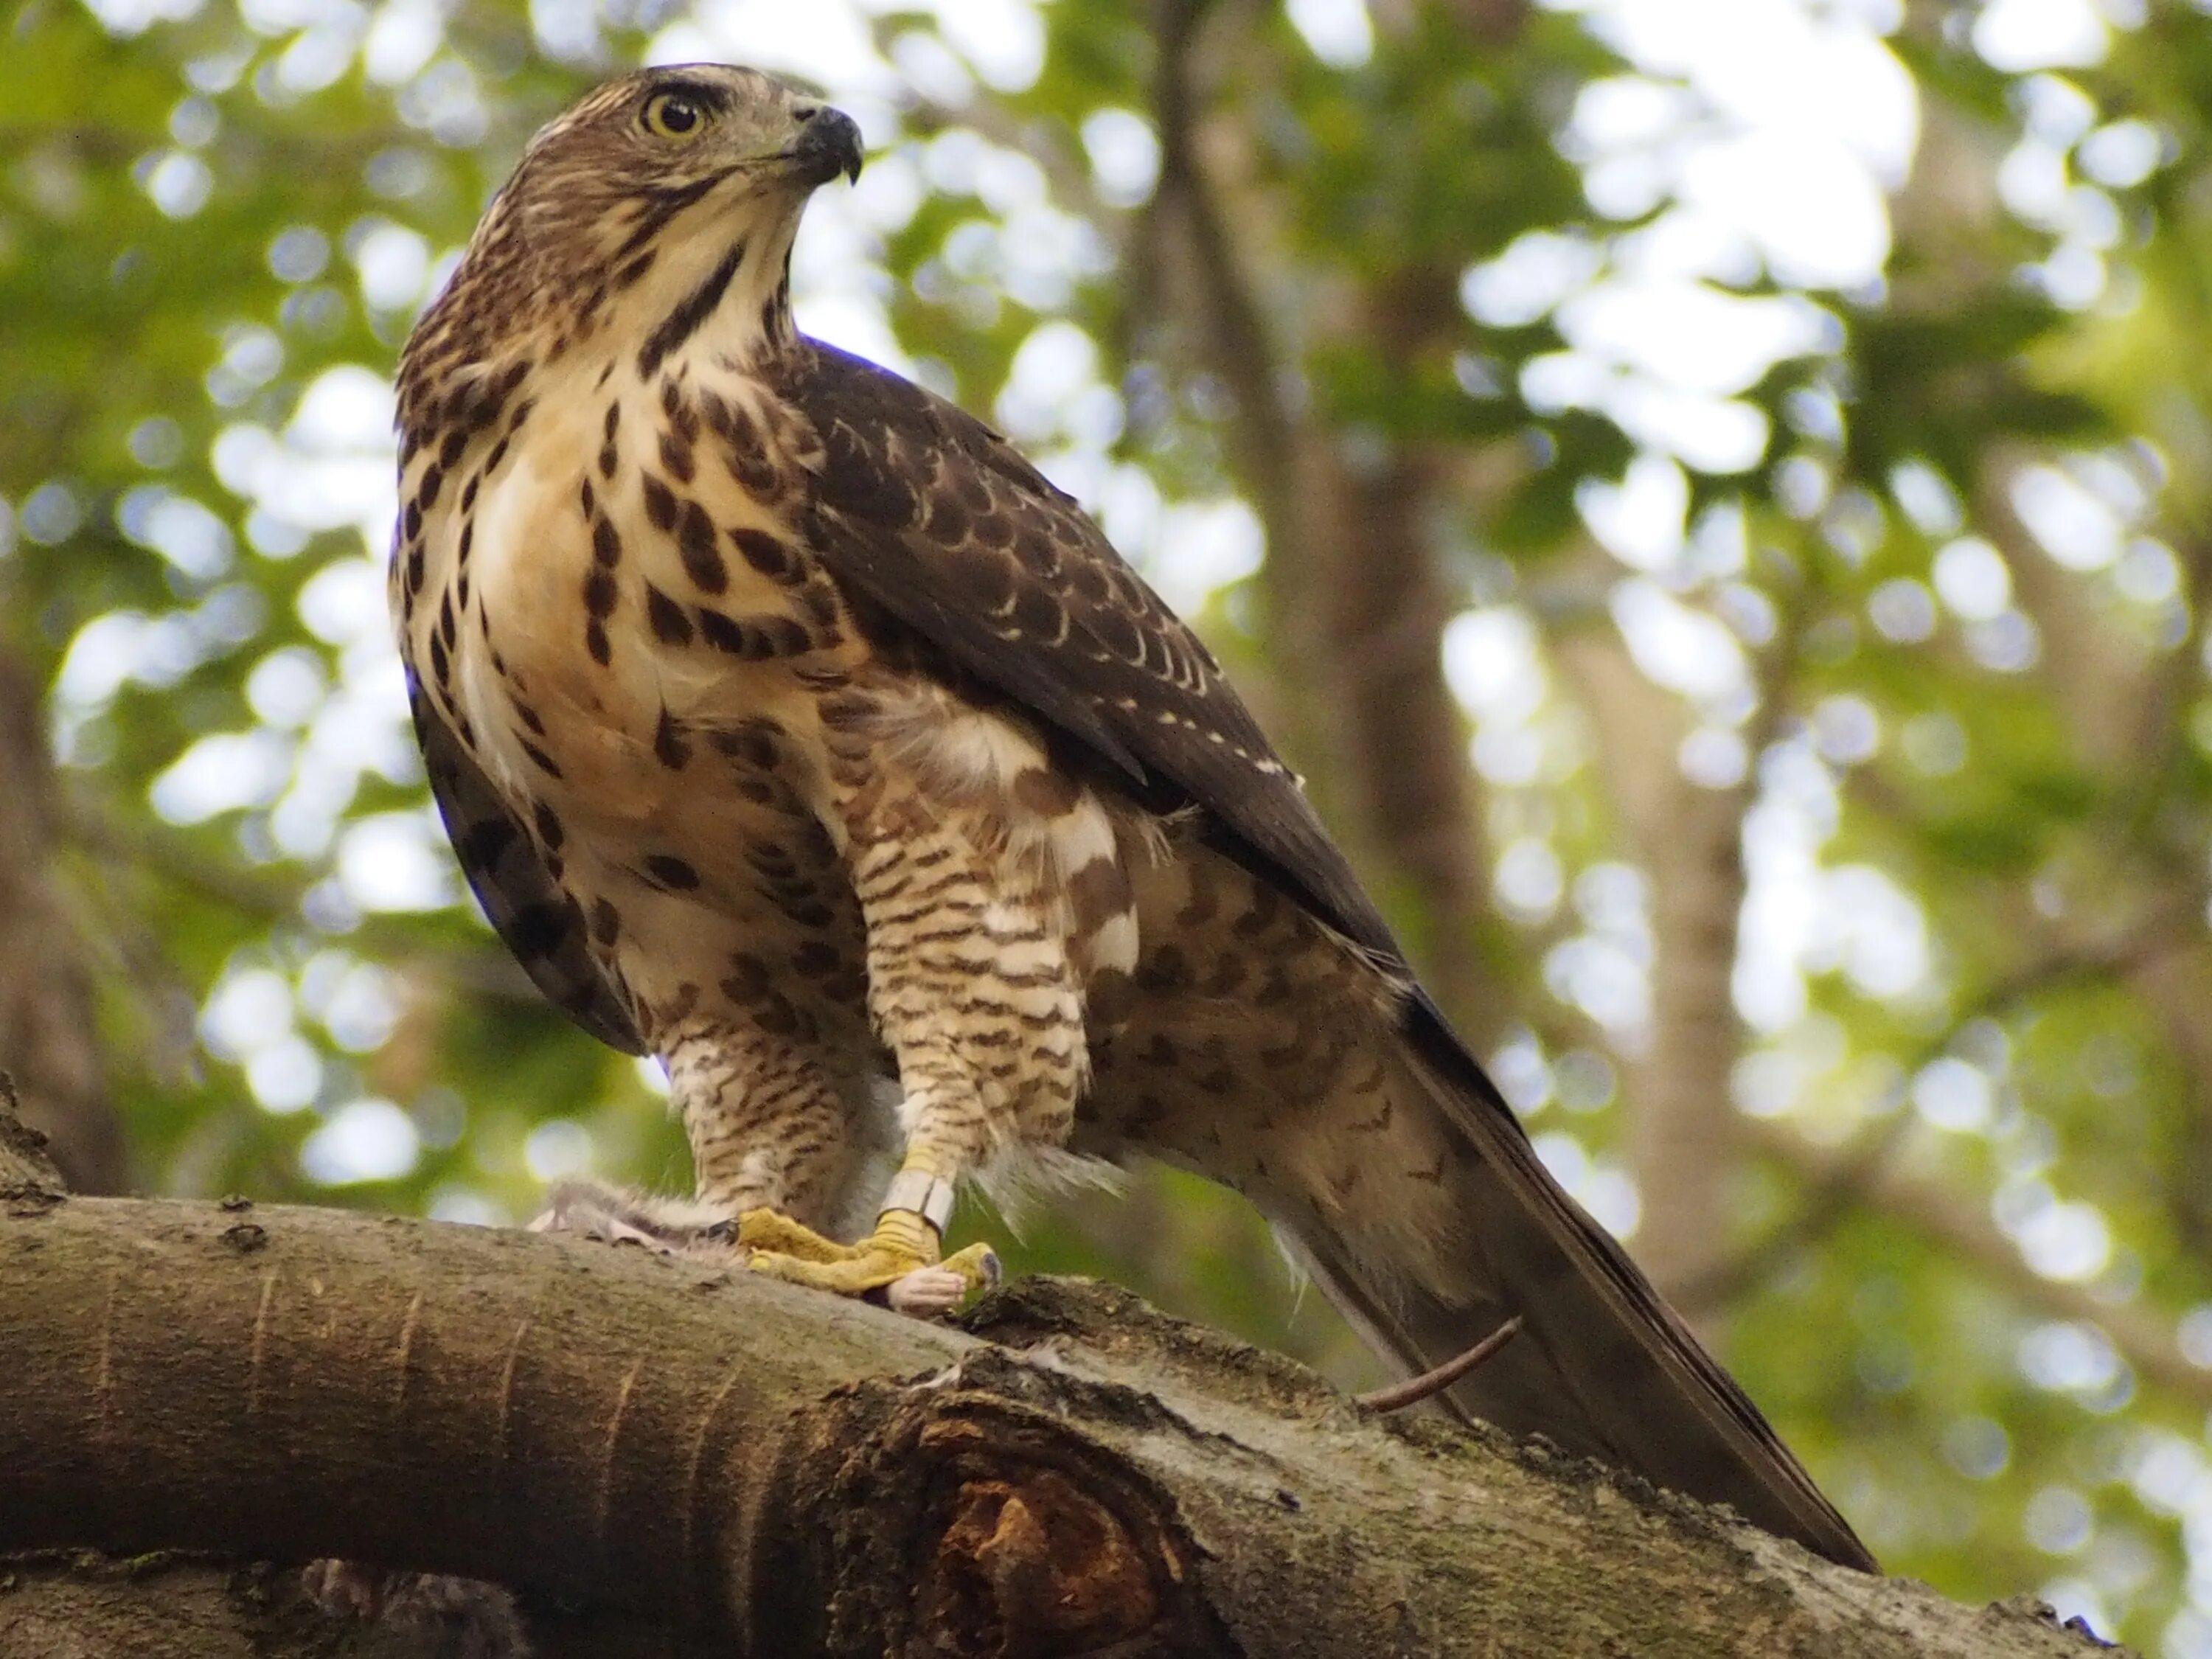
978 1264
926 1292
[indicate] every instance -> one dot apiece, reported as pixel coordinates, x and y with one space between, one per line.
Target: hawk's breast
637 597
666 688
629 644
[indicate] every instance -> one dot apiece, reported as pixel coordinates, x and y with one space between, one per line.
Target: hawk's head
669 187
681 152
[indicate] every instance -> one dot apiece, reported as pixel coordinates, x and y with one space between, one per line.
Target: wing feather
941 523
534 919
937 520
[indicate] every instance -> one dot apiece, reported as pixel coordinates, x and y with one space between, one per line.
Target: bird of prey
791 728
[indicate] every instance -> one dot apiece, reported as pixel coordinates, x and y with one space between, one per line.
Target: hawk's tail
1603 1365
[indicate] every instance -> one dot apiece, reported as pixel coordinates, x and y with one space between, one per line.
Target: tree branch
801 1475
81 1605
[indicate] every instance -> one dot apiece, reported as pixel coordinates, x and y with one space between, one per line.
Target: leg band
924 1192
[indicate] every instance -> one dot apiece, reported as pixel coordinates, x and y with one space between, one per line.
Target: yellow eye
672 115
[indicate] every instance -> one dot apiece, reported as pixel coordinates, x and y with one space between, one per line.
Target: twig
1415 1389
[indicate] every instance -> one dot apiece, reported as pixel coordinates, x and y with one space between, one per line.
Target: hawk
791 728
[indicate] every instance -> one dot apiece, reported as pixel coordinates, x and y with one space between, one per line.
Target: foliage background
1714 493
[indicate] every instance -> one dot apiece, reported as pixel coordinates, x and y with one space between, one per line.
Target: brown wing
936 519
533 916
940 521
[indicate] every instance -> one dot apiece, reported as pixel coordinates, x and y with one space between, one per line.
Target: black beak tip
830 142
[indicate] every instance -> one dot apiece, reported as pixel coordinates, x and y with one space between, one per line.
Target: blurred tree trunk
1683 1129
1353 584
49 1041
1357 595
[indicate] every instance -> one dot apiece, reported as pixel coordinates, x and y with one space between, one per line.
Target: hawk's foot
776 1233
900 1258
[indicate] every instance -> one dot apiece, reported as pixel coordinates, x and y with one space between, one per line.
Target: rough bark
82 1605
739 1462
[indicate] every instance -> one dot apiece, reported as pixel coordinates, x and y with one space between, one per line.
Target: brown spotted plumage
791 728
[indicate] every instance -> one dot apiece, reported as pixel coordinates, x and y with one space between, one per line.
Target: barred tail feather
1264 1050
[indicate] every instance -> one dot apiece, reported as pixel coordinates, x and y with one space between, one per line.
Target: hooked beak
828 145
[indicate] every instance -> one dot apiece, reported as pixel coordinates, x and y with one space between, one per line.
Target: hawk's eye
672 115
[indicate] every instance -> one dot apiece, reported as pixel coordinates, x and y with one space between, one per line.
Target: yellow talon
978 1264
773 1231
905 1246
902 1244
